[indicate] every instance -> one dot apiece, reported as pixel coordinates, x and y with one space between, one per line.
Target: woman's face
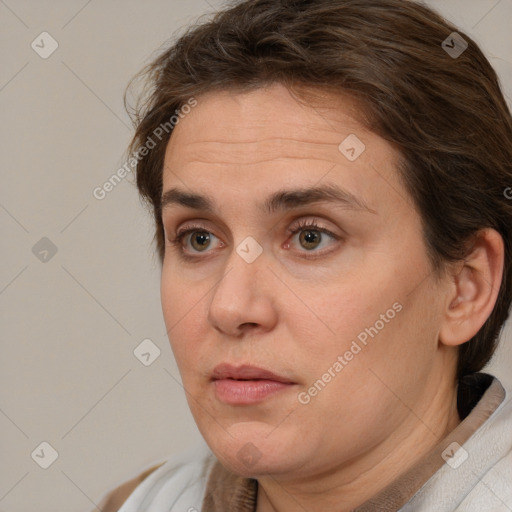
301 306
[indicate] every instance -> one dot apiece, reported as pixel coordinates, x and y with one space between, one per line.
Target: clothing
480 483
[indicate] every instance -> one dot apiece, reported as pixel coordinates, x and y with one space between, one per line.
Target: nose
243 301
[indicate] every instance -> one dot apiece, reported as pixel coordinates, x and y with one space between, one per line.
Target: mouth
246 385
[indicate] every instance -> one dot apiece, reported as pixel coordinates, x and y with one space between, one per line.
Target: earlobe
475 286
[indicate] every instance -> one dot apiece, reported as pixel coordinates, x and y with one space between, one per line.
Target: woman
328 180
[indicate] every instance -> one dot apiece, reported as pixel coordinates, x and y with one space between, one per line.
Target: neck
350 484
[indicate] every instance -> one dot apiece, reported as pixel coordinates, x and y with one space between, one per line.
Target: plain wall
70 324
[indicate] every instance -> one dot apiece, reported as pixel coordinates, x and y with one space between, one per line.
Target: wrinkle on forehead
258 151
269 132
250 132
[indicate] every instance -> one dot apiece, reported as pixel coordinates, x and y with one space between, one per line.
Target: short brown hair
447 116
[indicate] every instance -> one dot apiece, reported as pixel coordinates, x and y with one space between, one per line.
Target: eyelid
313 224
197 226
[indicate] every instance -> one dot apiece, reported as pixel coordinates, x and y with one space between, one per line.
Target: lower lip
246 392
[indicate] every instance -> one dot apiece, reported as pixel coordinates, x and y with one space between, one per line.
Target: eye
311 235
194 239
200 240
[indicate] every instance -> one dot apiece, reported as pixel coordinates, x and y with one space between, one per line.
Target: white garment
482 483
176 486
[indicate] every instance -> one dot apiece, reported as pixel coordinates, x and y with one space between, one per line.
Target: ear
474 289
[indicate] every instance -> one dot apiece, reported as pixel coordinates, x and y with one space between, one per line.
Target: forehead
271 119
270 138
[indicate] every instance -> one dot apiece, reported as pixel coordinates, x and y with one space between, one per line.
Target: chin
251 452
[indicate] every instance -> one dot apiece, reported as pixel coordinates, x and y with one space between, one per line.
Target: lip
246 372
246 385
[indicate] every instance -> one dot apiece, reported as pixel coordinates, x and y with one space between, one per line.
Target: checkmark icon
454 45
44 250
454 455
351 152
352 147
44 45
44 455
249 249
146 352
249 455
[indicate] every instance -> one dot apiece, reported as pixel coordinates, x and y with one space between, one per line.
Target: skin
294 310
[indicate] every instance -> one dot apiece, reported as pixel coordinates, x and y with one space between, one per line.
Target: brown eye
310 239
199 240
194 241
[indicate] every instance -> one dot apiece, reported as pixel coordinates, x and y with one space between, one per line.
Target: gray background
69 376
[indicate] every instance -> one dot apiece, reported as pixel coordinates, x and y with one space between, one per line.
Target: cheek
344 310
357 376
371 320
183 310
179 295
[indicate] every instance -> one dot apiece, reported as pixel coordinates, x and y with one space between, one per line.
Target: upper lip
246 372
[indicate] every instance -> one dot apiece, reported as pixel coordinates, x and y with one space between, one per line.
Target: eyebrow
278 201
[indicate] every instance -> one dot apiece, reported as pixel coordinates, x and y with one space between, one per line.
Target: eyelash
303 225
